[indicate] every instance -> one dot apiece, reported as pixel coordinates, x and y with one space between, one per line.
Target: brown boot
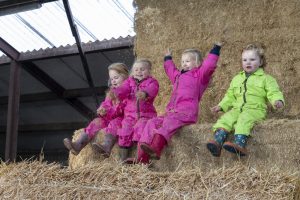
107 145
234 148
75 147
123 153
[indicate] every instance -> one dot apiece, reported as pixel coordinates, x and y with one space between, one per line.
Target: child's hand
141 95
101 111
111 95
168 52
216 109
278 104
219 43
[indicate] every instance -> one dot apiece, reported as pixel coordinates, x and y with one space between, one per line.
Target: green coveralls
246 101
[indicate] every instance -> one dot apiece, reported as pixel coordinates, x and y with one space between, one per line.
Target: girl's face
188 62
140 71
116 79
250 61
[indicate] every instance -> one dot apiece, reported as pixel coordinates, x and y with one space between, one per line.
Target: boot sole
234 150
100 149
214 149
150 152
69 146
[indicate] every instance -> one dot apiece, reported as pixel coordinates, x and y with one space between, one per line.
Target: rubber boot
123 153
215 146
107 145
76 146
142 157
239 145
157 145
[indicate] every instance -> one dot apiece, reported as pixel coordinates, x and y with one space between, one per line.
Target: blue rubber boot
239 145
215 146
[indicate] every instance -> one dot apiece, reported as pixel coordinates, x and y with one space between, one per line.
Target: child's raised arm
169 66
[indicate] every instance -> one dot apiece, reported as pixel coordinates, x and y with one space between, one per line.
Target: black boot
107 145
77 146
123 153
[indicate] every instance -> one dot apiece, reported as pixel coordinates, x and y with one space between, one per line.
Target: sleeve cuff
167 58
216 50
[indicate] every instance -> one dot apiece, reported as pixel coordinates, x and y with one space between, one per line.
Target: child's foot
214 148
234 148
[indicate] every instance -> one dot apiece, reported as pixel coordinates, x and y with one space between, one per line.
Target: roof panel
48 26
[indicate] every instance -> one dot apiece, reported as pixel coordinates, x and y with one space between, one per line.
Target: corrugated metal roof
48 26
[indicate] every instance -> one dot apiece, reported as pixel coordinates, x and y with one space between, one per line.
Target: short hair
120 68
144 61
196 53
260 50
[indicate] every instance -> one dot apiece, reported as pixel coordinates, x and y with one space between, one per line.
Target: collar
258 72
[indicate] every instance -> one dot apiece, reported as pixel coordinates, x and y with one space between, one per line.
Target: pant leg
227 121
138 129
171 123
94 126
126 132
151 126
113 126
247 119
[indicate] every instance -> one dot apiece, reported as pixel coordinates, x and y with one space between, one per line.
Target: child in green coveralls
245 103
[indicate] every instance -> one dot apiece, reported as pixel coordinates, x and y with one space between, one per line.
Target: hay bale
192 23
104 180
87 155
274 143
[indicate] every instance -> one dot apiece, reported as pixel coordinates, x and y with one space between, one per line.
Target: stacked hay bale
37 180
192 23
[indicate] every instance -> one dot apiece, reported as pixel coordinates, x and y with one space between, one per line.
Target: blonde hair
143 61
120 68
195 53
260 50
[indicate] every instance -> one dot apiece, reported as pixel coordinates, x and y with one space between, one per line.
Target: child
245 103
110 115
140 90
189 84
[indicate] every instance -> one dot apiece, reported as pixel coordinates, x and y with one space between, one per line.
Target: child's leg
151 126
110 138
94 126
85 137
170 123
222 128
125 137
142 157
243 127
76 146
139 127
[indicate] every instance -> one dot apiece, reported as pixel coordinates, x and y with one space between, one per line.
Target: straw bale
87 155
273 143
192 23
38 180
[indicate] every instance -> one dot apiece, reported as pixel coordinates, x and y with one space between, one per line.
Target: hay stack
193 23
274 143
36 180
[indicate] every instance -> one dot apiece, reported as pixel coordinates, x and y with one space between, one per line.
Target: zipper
244 95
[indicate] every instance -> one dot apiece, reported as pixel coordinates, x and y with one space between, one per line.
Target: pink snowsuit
188 88
136 113
110 122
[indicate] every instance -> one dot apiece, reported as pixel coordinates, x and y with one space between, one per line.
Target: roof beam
46 96
103 46
48 127
51 84
81 52
9 50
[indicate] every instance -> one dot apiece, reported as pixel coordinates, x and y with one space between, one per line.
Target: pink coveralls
136 113
188 88
110 122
